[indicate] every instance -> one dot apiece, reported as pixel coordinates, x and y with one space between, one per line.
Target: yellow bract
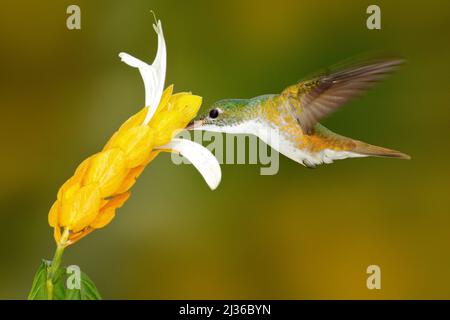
135 142
107 169
179 110
108 211
80 208
89 199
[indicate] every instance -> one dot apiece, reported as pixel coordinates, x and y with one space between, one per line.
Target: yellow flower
101 183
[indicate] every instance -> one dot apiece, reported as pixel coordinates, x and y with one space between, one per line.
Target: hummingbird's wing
321 95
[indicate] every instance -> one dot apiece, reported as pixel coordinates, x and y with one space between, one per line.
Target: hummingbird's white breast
282 142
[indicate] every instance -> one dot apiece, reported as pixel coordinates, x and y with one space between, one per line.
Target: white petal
202 159
160 61
132 61
153 75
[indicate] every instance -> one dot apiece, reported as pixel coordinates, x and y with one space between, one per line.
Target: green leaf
87 291
39 286
59 288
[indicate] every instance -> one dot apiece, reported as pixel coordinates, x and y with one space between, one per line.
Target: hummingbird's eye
214 113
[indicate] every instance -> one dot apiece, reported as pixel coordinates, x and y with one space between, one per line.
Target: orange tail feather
375 151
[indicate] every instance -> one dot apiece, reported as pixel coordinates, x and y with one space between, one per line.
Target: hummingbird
293 116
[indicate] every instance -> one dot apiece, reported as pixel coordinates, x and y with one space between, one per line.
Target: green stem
56 262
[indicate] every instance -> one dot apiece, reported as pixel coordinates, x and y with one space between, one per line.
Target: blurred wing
324 94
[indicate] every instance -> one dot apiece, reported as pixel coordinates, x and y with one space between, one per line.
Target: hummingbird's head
224 115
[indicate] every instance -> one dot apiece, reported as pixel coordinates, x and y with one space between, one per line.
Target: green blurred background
301 234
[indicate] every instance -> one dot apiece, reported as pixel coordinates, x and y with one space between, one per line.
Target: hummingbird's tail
375 151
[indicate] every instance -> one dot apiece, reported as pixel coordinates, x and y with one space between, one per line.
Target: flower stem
56 262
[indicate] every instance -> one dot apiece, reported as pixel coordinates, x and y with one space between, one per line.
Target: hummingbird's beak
194 124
